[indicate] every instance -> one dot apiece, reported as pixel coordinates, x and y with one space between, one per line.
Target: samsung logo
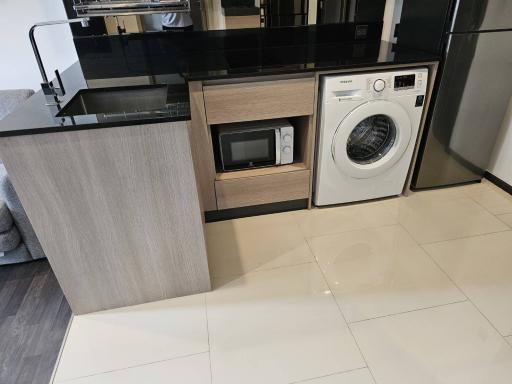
345 81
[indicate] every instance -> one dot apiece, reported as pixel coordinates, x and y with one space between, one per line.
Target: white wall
18 67
501 163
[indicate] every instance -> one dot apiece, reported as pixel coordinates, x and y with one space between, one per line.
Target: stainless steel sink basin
128 100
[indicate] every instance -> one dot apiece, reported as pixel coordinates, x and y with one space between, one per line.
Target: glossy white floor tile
358 376
131 336
452 344
273 319
489 196
236 247
507 219
193 369
381 271
323 221
277 326
431 220
482 267
441 194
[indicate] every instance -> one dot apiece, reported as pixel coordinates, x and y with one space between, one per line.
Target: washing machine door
371 139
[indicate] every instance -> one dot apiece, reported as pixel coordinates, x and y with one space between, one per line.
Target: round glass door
371 139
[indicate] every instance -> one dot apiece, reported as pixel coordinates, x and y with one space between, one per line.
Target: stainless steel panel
128 7
473 95
475 15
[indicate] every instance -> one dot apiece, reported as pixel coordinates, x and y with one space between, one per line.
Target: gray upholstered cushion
17 255
8 194
5 217
9 239
11 98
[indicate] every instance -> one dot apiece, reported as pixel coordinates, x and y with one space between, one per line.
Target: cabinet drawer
262 189
261 100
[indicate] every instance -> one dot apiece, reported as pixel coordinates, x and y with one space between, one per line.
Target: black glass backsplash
229 50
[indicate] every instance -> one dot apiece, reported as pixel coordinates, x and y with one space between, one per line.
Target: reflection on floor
408 290
34 316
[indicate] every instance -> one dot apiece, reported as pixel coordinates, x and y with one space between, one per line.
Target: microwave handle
278 146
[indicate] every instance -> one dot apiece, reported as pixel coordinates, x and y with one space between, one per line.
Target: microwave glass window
249 150
241 150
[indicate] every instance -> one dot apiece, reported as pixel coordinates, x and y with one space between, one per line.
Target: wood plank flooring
34 316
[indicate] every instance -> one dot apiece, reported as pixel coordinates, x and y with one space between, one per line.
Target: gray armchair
18 241
12 98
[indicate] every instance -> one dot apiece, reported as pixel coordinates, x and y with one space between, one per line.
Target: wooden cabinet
264 189
116 211
259 100
202 150
244 100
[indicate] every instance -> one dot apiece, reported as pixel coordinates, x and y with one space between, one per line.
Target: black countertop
176 58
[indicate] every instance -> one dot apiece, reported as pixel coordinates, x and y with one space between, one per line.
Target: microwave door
241 150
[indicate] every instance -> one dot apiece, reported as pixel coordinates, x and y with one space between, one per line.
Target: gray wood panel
116 211
34 316
202 150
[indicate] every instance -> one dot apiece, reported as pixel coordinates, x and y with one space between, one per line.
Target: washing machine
368 130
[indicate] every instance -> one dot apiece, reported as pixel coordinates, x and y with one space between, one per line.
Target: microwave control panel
286 134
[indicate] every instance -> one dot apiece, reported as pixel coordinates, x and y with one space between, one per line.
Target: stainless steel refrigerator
472 95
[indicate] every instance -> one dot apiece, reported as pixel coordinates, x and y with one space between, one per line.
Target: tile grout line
261 270
431 258
131 367
496 216
402 312
341 313
208 334
488 210
306 237
354 230
410 311
464 293
459 238
328 375
500 219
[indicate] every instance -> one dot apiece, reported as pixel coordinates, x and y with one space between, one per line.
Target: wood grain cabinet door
116 210
260 100
265 189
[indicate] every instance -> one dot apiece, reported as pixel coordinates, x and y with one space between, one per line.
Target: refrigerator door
423 24
472 98
482 15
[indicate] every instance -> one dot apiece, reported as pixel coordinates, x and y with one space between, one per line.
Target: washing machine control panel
405 82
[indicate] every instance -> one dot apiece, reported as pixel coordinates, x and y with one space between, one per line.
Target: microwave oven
255 144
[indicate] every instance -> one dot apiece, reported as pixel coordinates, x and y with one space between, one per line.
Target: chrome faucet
51 92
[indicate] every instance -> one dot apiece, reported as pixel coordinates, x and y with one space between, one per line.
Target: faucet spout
51 92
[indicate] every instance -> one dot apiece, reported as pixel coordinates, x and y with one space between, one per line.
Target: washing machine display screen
405 81
371 139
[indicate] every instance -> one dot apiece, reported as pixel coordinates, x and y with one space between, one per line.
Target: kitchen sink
124 101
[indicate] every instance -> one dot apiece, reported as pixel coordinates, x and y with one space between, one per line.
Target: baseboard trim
498 182
255 210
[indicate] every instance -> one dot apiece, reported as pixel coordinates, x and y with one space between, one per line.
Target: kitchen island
117 199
